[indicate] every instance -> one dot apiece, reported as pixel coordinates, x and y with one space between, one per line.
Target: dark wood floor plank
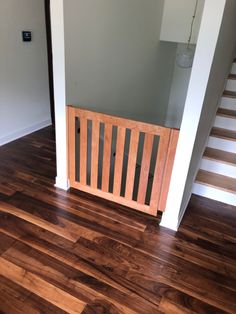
223 233
100 256
6 190
148 273
53 246
76 219
199 206
162 257
173 302
101 306
61 227
183 248
15 299
77 283
45 290
85 209
5 242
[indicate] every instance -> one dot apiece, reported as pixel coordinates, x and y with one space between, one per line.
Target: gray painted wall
115 62
178 93
24 93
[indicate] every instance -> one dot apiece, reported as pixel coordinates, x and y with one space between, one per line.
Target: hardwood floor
67 252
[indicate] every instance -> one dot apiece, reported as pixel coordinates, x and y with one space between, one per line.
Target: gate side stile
71 154
174 136
159 171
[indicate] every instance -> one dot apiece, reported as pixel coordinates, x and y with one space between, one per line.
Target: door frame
50 58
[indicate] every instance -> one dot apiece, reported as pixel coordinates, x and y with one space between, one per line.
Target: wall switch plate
26 36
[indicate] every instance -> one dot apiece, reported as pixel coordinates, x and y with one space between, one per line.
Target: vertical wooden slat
94 153
134 140
71 143
119 160
145 166
168 168
159 170
106 157
83 150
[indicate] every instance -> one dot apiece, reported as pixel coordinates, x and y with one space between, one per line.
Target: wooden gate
99 145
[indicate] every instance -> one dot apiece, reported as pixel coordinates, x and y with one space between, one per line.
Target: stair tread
230 94
219 181
232 76
220 155
223 133
230 113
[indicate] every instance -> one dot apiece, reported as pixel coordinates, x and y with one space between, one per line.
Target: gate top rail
118 121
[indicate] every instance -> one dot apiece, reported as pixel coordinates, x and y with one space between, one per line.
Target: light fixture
185 57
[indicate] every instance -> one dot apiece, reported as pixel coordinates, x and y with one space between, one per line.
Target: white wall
115 62
24 92
214 52
177 18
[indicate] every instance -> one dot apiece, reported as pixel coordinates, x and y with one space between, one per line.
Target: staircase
216 178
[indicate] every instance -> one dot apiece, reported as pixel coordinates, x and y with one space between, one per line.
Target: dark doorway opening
50 57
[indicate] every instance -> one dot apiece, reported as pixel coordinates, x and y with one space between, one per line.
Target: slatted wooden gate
99 144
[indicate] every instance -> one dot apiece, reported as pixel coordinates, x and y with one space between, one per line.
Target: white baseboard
62 183
22 132
169 224
169 221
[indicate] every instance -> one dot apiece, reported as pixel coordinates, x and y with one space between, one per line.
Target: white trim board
179 191
228 103
214 194
62 183
219 167
231 85
222 144
223 122
233 69
58 48
22 132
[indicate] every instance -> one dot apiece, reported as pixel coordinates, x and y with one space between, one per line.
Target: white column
205 50
58 47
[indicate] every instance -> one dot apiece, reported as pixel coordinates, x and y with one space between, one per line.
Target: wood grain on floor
68 252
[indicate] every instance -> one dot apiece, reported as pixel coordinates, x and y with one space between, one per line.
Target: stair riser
225 123
222 144
233 69
215 168
228 103
231 85
215 194
218 167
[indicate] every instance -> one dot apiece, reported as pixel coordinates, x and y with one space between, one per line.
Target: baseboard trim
23 132
62 183
169 222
